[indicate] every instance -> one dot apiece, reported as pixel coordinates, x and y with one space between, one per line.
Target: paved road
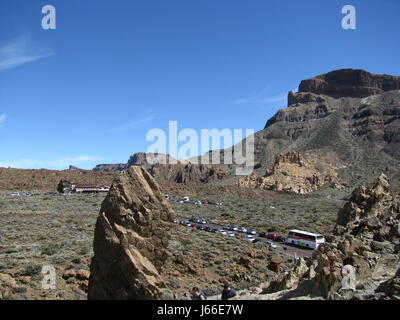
286 248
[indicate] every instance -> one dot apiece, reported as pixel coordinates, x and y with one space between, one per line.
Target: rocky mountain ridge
353 115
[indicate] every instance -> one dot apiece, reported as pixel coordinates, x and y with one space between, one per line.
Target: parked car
214 230
257 240
270 244
175 221
249 238
272 236
263 234
231 234
227 227
280 239
253 232
223 232
199 227
208 229
233 228
241 229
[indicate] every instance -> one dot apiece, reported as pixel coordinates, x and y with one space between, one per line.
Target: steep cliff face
350 83
130 241
187 173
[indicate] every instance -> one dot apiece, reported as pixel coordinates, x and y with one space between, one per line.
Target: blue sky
89 91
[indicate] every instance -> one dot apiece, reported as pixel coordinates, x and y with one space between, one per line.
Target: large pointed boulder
131 238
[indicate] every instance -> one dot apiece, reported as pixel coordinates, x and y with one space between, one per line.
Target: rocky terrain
360 261
58 230
293 173
338 133
21 179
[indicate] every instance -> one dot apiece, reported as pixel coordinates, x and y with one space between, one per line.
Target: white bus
305 239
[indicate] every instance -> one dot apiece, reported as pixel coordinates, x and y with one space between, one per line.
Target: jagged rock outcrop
292 173
288 280
187 173
367 211
130 241
367 235
362 260
390 290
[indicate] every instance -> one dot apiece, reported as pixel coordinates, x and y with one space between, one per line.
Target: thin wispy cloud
3 118
134 124
55 163
63 162
20 51
263 98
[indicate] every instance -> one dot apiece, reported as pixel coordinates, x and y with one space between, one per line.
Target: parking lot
209 226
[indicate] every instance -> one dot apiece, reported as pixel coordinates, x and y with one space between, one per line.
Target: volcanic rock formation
130 241
362 260
292 173
187 173
350 83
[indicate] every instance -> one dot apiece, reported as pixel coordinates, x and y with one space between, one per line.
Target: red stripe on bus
299 238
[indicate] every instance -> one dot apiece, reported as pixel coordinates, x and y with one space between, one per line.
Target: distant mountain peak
354 83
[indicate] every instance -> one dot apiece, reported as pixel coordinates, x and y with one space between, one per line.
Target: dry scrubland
58 230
